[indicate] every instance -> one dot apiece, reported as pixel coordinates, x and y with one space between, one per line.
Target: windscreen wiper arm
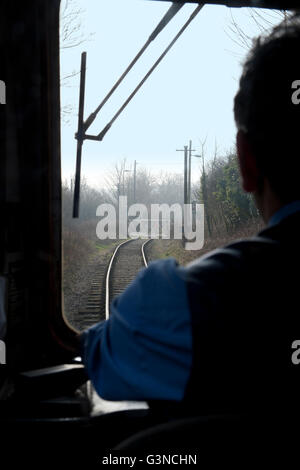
84 125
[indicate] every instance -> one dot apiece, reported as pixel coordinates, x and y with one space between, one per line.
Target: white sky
189 96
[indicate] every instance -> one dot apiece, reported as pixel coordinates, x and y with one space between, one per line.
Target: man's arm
144 350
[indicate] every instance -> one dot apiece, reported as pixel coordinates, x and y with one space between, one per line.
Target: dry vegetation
229 214
174 248
83 254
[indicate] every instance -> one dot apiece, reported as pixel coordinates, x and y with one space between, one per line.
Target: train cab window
157 130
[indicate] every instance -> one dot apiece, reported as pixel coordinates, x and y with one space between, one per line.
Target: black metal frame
272 4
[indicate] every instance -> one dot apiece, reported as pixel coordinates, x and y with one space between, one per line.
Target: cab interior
45 406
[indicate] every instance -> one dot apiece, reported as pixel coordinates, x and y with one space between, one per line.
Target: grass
103 246
159 249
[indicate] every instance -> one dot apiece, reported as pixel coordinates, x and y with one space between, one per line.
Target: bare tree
71 36
262 19
114 181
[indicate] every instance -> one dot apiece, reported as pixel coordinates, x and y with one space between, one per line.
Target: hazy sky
189 96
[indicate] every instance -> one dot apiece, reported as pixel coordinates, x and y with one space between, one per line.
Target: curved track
128 258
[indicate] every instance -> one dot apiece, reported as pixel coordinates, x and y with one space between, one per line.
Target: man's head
268 139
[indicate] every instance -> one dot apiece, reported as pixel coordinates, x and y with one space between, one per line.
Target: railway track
128 258
106 281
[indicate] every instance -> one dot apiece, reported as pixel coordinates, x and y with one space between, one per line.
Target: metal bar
89 137
108 126
143 252
174 8
270 4
80 133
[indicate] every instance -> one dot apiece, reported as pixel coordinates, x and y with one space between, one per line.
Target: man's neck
267 202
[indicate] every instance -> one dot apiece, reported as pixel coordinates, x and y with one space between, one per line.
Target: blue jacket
215 335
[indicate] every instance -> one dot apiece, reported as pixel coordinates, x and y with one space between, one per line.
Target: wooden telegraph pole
185 173
185 183
134 182
189 171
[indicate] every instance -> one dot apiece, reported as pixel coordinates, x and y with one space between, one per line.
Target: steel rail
143 252
108 274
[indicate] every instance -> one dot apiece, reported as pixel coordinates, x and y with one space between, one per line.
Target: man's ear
247 163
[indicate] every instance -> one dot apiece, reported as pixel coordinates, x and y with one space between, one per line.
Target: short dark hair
264 110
